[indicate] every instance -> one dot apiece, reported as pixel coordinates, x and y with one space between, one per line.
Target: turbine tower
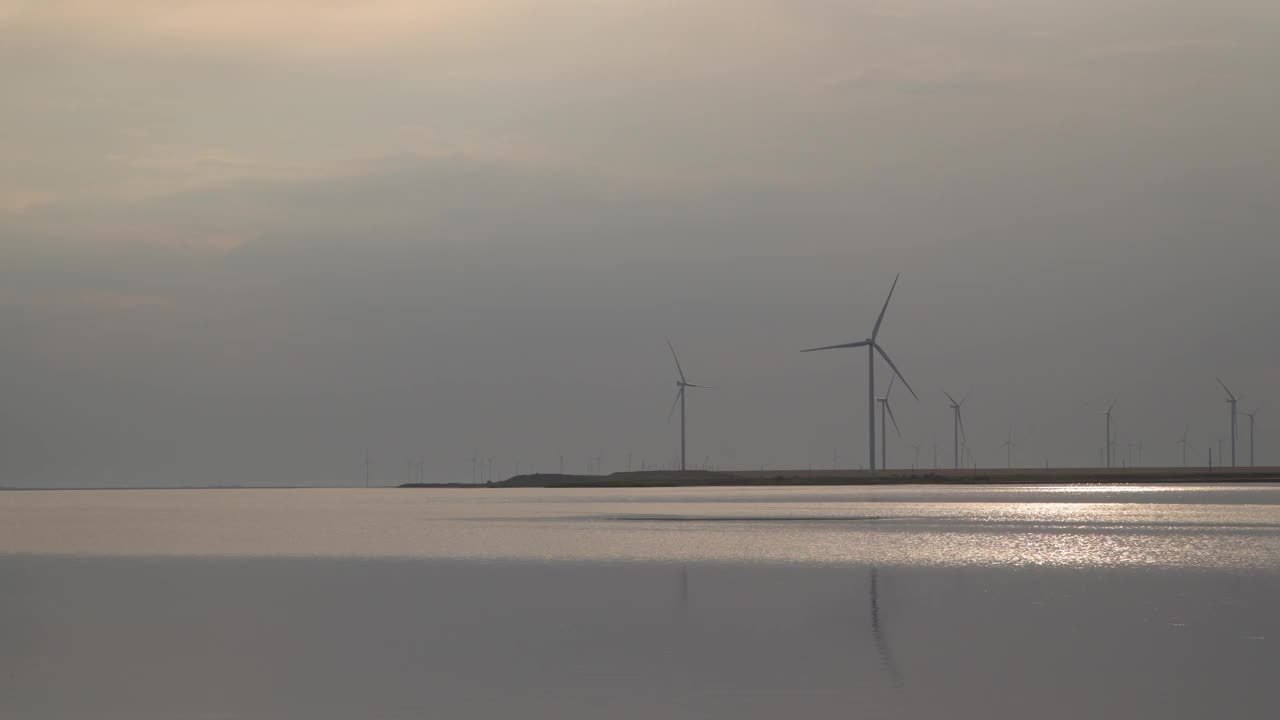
1231 400
1251 415
873 347
681 385
957 430
884 431
1009 445
1107 412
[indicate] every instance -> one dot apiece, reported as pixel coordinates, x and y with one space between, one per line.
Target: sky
243 242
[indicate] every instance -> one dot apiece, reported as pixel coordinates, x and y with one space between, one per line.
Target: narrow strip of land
984 476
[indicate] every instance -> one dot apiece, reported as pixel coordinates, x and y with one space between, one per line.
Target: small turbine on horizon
1109 442
873 347
885 407
1009 445
1231 400
1251 416
1183 442
958 430
681 385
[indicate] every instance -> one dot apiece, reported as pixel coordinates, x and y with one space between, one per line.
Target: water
694 603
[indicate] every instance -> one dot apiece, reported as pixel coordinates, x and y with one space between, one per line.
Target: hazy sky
241 241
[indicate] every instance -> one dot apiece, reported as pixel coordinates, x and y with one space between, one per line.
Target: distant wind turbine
873 347
1108 444
1251 415
1183 442
957 430
1008 445
1231 400
681 385
884 431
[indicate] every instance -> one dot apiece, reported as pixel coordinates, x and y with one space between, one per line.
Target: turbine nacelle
956 404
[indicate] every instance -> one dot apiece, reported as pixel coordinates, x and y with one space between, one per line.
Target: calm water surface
701 603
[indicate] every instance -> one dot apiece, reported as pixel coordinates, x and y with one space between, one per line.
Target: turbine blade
962 435
704 387
673 356
1224 387
890 390
860 343
889 407
674 403
953 400
876 332
966 396
885 355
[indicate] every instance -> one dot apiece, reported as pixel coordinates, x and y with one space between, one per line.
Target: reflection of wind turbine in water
878 634
684 590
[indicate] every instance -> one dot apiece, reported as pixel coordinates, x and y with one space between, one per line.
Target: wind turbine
884 431
1231 400
1107 412
1251 415
1009 444
681 385
958 429
873 347
1183 442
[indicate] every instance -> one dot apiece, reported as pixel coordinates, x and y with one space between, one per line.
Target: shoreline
786 478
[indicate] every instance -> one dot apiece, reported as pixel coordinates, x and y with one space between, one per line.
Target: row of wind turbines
886 409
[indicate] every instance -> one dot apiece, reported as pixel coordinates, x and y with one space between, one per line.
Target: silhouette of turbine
873 347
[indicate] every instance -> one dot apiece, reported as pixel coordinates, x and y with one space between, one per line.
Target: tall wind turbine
873 347
957 430
681 386
1251 415
1107 412
884 431
1231 400
1183 442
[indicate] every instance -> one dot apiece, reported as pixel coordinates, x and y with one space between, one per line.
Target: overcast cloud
240 242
